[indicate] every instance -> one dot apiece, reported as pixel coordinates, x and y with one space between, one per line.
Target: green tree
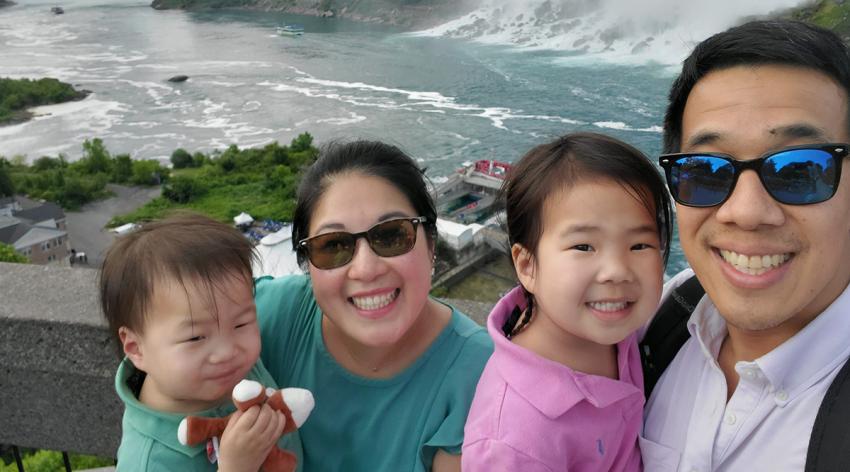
8 254
147 172
95 157
181 159
183 189
302 142
7 187
199 159
122 169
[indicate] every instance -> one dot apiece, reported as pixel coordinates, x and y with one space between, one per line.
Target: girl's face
373 300
597 274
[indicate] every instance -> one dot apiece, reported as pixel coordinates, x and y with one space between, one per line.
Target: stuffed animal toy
295 403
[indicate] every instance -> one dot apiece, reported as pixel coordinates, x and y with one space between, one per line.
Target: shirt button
782 395
730 418
750 374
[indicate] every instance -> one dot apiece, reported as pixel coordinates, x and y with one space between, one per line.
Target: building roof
10 234
36 235
46 211
451 228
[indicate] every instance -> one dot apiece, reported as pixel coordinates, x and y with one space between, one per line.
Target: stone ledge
58 364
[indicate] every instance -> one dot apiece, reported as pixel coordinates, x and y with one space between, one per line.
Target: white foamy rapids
87 118
350 119
620 31
374 96
619 125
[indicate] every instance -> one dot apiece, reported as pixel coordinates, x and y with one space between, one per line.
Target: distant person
178 296
589 223
393 370
770 246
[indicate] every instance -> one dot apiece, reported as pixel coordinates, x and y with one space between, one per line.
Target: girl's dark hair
768 42
187 248
371 158
563 163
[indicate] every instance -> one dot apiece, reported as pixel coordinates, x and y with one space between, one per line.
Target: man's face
745 112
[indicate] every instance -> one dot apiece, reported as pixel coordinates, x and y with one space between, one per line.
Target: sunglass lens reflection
801 176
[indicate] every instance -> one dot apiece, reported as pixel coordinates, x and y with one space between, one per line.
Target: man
769 242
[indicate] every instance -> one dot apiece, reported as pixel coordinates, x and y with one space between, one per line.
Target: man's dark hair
771 42
185 248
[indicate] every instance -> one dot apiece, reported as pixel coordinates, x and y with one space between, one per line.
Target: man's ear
131 343
524 264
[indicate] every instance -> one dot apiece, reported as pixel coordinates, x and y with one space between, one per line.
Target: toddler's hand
248 438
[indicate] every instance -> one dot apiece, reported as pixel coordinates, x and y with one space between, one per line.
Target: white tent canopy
243 219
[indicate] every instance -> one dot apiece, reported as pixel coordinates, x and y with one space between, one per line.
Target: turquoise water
444 101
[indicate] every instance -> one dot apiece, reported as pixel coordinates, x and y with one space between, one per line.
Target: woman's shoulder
289 294
473 345
268 286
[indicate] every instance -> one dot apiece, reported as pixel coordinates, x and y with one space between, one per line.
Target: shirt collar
524 370
158 425
799 362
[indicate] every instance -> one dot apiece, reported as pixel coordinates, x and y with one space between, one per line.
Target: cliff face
405 13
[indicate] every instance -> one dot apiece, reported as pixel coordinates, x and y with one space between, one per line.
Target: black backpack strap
829 446
668 331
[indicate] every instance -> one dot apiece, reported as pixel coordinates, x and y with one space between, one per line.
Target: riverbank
19 96
423 14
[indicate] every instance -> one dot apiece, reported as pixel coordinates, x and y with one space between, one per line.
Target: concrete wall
56 362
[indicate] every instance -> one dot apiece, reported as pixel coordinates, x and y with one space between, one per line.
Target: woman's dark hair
371 158
562 163
772 42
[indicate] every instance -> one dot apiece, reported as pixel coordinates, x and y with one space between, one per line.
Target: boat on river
290 30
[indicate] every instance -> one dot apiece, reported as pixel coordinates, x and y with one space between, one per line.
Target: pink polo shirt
533 414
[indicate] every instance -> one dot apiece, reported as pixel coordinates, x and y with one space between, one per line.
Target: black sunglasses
387 239
799 175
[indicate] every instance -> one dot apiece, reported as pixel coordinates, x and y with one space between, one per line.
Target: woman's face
373 300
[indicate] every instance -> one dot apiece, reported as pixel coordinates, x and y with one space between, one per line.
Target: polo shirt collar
549 386
799 362
160 426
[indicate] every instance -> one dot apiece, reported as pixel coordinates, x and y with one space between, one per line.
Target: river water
445 101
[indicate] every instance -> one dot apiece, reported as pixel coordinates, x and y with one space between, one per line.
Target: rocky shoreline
384 12
22 116
6 3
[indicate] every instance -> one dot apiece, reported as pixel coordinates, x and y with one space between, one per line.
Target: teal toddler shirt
361 424
149 437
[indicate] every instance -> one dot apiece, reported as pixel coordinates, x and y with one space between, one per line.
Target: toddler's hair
562 163
185 248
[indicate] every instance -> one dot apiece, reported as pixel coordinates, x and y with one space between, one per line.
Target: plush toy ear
131 343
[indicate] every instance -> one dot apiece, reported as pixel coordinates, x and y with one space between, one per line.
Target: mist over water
620 31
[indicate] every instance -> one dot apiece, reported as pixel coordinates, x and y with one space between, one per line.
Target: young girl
589 224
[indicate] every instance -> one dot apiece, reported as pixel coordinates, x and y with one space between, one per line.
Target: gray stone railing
57 362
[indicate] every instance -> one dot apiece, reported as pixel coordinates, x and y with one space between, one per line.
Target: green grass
51 461
828 14
221 203
482 286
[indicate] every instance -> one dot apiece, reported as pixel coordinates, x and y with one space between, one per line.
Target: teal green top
362 424
149 437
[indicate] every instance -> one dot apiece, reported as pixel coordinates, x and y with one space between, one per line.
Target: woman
393 371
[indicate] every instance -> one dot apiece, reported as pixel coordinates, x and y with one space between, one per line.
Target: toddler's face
598 273
195 349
